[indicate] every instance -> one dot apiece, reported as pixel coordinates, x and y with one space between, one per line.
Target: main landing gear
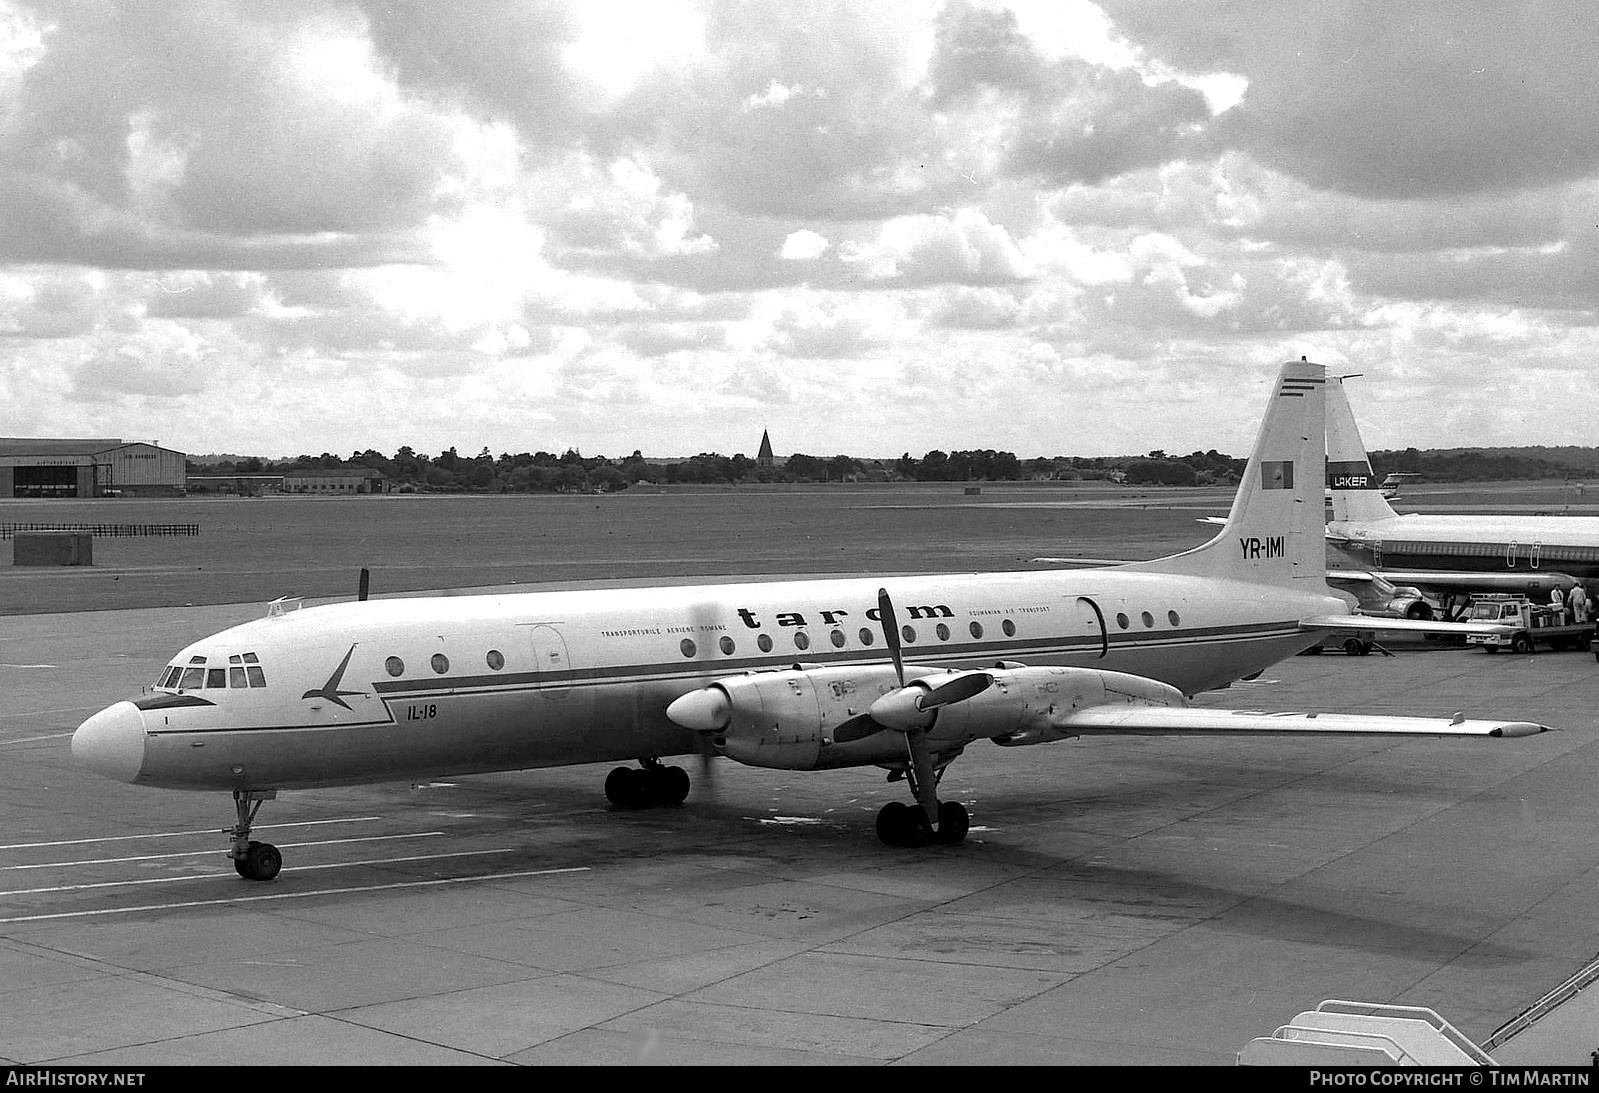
253 860
648 786
901 824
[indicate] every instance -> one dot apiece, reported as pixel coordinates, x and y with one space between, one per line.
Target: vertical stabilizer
1275 533
1356 492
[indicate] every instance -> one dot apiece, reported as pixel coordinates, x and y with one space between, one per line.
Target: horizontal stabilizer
1176 721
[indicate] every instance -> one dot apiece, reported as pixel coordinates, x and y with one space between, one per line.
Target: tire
1420 610
1521 643
675 786
1354 647
891 823
262 861
953 823
622 789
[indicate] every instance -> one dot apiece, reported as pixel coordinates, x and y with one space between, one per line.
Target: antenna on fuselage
366 580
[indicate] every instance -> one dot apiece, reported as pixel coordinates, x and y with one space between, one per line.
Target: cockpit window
257 676
192 679
216 677
236 678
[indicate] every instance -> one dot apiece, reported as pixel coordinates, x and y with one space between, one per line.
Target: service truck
1523 624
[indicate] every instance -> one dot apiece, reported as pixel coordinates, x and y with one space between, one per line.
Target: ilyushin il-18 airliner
903 673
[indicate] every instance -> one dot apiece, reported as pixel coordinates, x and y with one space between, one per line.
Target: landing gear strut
647 786
899 824
252 860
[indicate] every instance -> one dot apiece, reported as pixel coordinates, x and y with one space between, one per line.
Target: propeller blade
957 689
858 727
885 615
365 582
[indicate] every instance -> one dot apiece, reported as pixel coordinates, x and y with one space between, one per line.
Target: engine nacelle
785 719
1030 705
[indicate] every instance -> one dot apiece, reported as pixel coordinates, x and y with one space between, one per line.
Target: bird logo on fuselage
329 690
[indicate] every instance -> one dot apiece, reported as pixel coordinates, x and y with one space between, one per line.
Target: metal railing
113 531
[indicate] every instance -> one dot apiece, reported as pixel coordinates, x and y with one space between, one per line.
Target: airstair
1339 1033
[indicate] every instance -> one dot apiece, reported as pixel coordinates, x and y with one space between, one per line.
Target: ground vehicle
1526 624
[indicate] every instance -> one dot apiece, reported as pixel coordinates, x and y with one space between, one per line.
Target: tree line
572 472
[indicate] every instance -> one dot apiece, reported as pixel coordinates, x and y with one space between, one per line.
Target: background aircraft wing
1527 581
1384 624
1178 721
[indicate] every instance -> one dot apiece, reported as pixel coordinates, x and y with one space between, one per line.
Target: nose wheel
252 860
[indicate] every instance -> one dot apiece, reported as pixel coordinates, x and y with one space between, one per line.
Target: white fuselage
434 686
1566 544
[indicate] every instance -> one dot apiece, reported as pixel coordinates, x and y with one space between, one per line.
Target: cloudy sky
877 226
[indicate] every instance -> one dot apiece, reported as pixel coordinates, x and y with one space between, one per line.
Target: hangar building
88 467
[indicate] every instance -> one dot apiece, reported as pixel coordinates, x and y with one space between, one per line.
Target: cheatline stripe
703 670
293 895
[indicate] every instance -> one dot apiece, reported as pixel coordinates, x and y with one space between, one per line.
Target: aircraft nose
112 742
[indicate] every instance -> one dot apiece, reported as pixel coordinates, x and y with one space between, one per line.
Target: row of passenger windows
441 663
868 636
243 670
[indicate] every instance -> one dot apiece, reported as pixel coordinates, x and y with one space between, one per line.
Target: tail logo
1254 547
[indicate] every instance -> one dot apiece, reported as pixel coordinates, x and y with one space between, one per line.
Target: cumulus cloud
499 218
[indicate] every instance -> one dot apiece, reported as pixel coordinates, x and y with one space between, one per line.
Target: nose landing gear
252 860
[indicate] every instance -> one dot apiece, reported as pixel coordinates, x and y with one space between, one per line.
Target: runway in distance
1446 555
902 673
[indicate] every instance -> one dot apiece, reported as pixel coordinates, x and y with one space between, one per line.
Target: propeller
361 588
885 615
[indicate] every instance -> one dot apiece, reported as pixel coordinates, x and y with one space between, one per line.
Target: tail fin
1275 533
1356 492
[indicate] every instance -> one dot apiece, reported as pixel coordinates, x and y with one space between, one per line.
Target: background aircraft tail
1356 492
1276 532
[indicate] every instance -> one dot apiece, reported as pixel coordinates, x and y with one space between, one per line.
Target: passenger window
1121 620
193 678
1149 620
764 642
394 666
1171 617
943 632
236 678
908 633
727 645
1009 628
837 638
257 676
496 659
441 663
687 646
802 640
866 635
977 629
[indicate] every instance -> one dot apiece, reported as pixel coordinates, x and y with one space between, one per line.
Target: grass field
259 549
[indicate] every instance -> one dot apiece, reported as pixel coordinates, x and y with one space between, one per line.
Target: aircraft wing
1177 720
1385 624
1464 581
